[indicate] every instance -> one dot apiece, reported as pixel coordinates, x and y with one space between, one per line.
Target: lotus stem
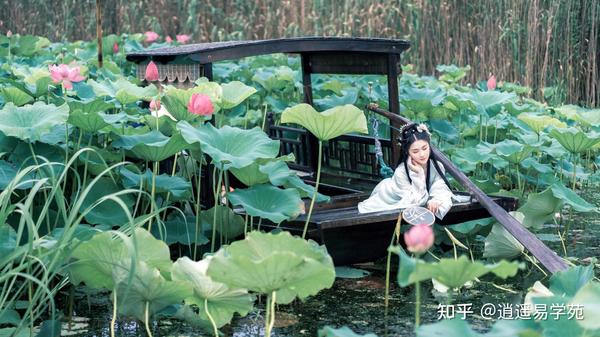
270 319
574 184
214 224
396 235
146 314
198 208
114 314
152 194
314 197
210 318
169 192
417 304
85 164
245 224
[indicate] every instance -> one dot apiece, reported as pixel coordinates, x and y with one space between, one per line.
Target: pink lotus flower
168 39
419 238
183 38
200 104
151 72
491 83
9 33
151 36
155 104
115 48
65 74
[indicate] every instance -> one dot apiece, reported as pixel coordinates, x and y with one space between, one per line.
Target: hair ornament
423 128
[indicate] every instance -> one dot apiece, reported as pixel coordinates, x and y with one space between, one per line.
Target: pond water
359 303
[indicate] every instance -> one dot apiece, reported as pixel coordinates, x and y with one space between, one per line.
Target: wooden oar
545 255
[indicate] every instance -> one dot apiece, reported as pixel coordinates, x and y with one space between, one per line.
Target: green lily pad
513 151
89 122
178 187
176 100
229 146
574 140
180 229
254 174
30 122
265 263
329 123
268 202
453 273
539 208
8 172
152 146
222 300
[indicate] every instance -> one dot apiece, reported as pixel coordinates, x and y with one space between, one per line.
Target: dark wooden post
308 99
394 102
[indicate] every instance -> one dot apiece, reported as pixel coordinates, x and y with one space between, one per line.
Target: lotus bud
183 38
168 39
491 83
155 104
9 34
200 104
419 238
151 72
115 48
151 36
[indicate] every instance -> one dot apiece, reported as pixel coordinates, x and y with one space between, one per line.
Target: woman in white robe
417 181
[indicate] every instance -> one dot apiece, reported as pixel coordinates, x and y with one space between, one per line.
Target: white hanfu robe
398 192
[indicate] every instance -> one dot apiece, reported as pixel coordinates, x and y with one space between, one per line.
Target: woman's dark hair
411 133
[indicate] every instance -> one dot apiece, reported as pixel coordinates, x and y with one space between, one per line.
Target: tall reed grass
551 46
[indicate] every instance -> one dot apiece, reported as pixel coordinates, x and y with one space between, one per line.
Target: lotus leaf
107 212
588 297
344 331
470 228
229 224
488 102
99 256
15 95
9 316
268 202
536 165
253 174
348 272
30 122
8 239
539 208
513 151
349 96
176 100
123 90
89 122
453 273
569 197
86 107
588 117
178 187
222 300
574 140
152 146
458 327
235 93
8 172
228 146
274 78
146 286
538 123
568 282
182 230
445 130
265 263
558 325
500 244
328 124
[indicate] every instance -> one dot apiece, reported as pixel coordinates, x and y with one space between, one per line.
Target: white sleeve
413 193
440 192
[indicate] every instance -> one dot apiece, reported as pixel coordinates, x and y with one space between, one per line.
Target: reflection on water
359 303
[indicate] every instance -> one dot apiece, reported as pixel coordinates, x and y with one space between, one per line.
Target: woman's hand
418 169
433 206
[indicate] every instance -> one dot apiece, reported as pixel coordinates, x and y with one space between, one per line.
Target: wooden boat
350 167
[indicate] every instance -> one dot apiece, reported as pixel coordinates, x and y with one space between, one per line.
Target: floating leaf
16 96
500 244
329 123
